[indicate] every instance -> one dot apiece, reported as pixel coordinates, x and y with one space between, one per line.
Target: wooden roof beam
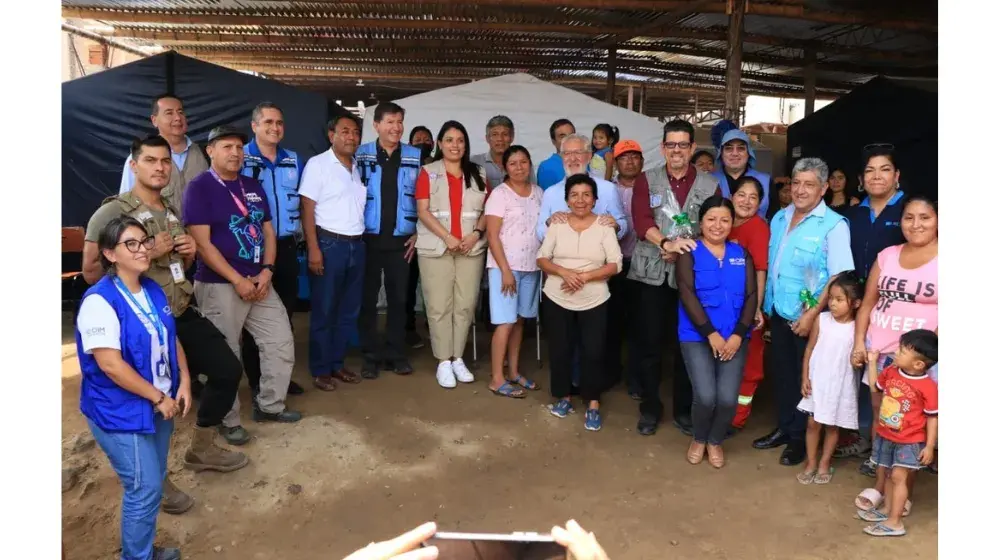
287 17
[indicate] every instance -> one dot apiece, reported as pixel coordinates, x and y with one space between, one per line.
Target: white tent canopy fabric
532 104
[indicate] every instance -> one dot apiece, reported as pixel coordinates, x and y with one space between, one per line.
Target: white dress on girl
834 398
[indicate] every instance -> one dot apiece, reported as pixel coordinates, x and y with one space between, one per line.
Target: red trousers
753 374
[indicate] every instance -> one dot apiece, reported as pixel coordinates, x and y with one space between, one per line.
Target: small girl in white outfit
829 381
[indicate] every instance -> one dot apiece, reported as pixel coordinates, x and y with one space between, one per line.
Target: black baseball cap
226 132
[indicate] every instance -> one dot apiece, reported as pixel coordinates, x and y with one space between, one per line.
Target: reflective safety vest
366 159
439 205
108 405
280 181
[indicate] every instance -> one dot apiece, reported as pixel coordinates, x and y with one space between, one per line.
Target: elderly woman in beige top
578 257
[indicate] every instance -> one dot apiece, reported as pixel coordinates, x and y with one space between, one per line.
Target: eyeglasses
884 145
672 145
133 244
735 148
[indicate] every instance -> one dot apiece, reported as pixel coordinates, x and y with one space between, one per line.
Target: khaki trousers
267 322
451 287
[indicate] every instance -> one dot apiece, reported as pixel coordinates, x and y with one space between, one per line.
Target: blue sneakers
561 409
592 420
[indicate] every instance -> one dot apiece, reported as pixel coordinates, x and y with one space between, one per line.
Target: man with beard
680 185
333 220
205 347
171 123
228 215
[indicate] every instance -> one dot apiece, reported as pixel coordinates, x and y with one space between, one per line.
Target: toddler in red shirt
907 425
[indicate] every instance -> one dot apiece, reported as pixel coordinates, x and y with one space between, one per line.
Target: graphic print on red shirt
907 401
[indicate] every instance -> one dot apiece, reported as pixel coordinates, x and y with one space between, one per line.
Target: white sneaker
462 372
446 375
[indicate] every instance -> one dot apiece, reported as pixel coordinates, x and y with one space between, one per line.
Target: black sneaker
868 468
402 367
237 435
683 423
286 416
413 340
295 389
369 370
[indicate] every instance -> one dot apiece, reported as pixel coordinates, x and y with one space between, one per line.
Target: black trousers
285 282
655 318
411 296
785 370
208 354
397 275
621 330
564 328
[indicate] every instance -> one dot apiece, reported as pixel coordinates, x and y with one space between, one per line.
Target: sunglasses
133 244
672 145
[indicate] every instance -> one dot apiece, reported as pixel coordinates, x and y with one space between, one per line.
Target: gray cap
226 132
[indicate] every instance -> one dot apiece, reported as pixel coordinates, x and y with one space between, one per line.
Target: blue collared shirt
871 211
838 242
551 171
608 202
128 178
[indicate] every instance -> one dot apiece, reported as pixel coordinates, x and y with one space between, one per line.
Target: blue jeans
141 463
716 389
336 303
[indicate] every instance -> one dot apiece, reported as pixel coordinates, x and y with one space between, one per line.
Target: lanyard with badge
252 230
151 321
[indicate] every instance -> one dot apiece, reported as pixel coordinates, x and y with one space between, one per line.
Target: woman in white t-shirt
134 379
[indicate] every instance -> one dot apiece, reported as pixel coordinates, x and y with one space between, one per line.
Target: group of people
679 256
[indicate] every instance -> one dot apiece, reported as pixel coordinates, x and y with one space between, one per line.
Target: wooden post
810 81
642 99
609 96
734 59
631 96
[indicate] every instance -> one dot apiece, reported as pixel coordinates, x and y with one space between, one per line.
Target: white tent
532 104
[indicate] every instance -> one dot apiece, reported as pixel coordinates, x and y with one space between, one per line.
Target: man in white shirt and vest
333 221
188 160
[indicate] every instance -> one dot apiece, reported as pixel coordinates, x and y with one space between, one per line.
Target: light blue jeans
141 463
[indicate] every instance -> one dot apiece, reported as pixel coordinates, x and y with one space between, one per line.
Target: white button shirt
338 193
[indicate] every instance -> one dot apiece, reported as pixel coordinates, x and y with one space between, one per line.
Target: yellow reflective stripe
745 401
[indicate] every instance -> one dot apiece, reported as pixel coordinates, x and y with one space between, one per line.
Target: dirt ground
374 459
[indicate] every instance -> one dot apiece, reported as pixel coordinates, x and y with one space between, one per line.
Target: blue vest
371 175
804 250
869 238
280 181
765 181
721 289
104 402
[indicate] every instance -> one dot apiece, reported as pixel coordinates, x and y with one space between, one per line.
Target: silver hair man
816 165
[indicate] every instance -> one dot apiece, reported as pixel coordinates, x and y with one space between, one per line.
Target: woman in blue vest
717 287
135 379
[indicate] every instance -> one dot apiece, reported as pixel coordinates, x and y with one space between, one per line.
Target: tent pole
170 72
609 96
810 81
734 58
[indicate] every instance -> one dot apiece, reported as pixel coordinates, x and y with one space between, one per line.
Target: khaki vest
430 245
647 265
178 293
195 164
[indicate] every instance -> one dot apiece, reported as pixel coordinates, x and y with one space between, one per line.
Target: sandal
880 530
806 477
325 383
508 390
715 456
871 516
524 382
824 478
874 499
696 452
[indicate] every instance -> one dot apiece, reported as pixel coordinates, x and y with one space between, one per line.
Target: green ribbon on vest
681 227
806 297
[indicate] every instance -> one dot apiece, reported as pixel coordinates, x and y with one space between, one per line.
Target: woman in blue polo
135 379
717 287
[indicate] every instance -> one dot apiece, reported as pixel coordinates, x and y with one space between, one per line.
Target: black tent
883 110
102 113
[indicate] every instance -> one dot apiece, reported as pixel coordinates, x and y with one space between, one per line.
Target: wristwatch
268 267
481 232
665 241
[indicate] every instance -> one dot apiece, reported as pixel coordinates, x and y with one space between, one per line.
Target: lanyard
239 202
152 317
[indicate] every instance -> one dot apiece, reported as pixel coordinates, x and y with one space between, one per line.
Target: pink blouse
908 299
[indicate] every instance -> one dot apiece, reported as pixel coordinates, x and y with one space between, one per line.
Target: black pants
397 275
208 354
285 282
621 330
564 328
411 296
655 319
785 370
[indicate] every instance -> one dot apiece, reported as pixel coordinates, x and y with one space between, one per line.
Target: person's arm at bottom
184 389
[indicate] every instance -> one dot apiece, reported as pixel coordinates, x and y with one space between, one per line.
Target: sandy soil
371 460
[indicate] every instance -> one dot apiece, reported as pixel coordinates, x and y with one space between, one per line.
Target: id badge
655 200
256 254
161 369
177 271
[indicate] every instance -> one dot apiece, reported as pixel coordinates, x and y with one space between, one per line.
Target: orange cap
627 146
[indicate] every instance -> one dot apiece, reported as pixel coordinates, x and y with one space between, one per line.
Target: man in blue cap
736 160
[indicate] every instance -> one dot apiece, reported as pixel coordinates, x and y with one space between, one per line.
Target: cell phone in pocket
497 546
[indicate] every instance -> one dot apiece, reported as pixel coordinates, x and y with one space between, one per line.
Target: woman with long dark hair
838 197
451 246
135 379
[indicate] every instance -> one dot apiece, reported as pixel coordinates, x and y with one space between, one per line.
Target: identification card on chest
177 271
655 200
256 254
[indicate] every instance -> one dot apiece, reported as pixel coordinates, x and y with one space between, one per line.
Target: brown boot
175 501
205 455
